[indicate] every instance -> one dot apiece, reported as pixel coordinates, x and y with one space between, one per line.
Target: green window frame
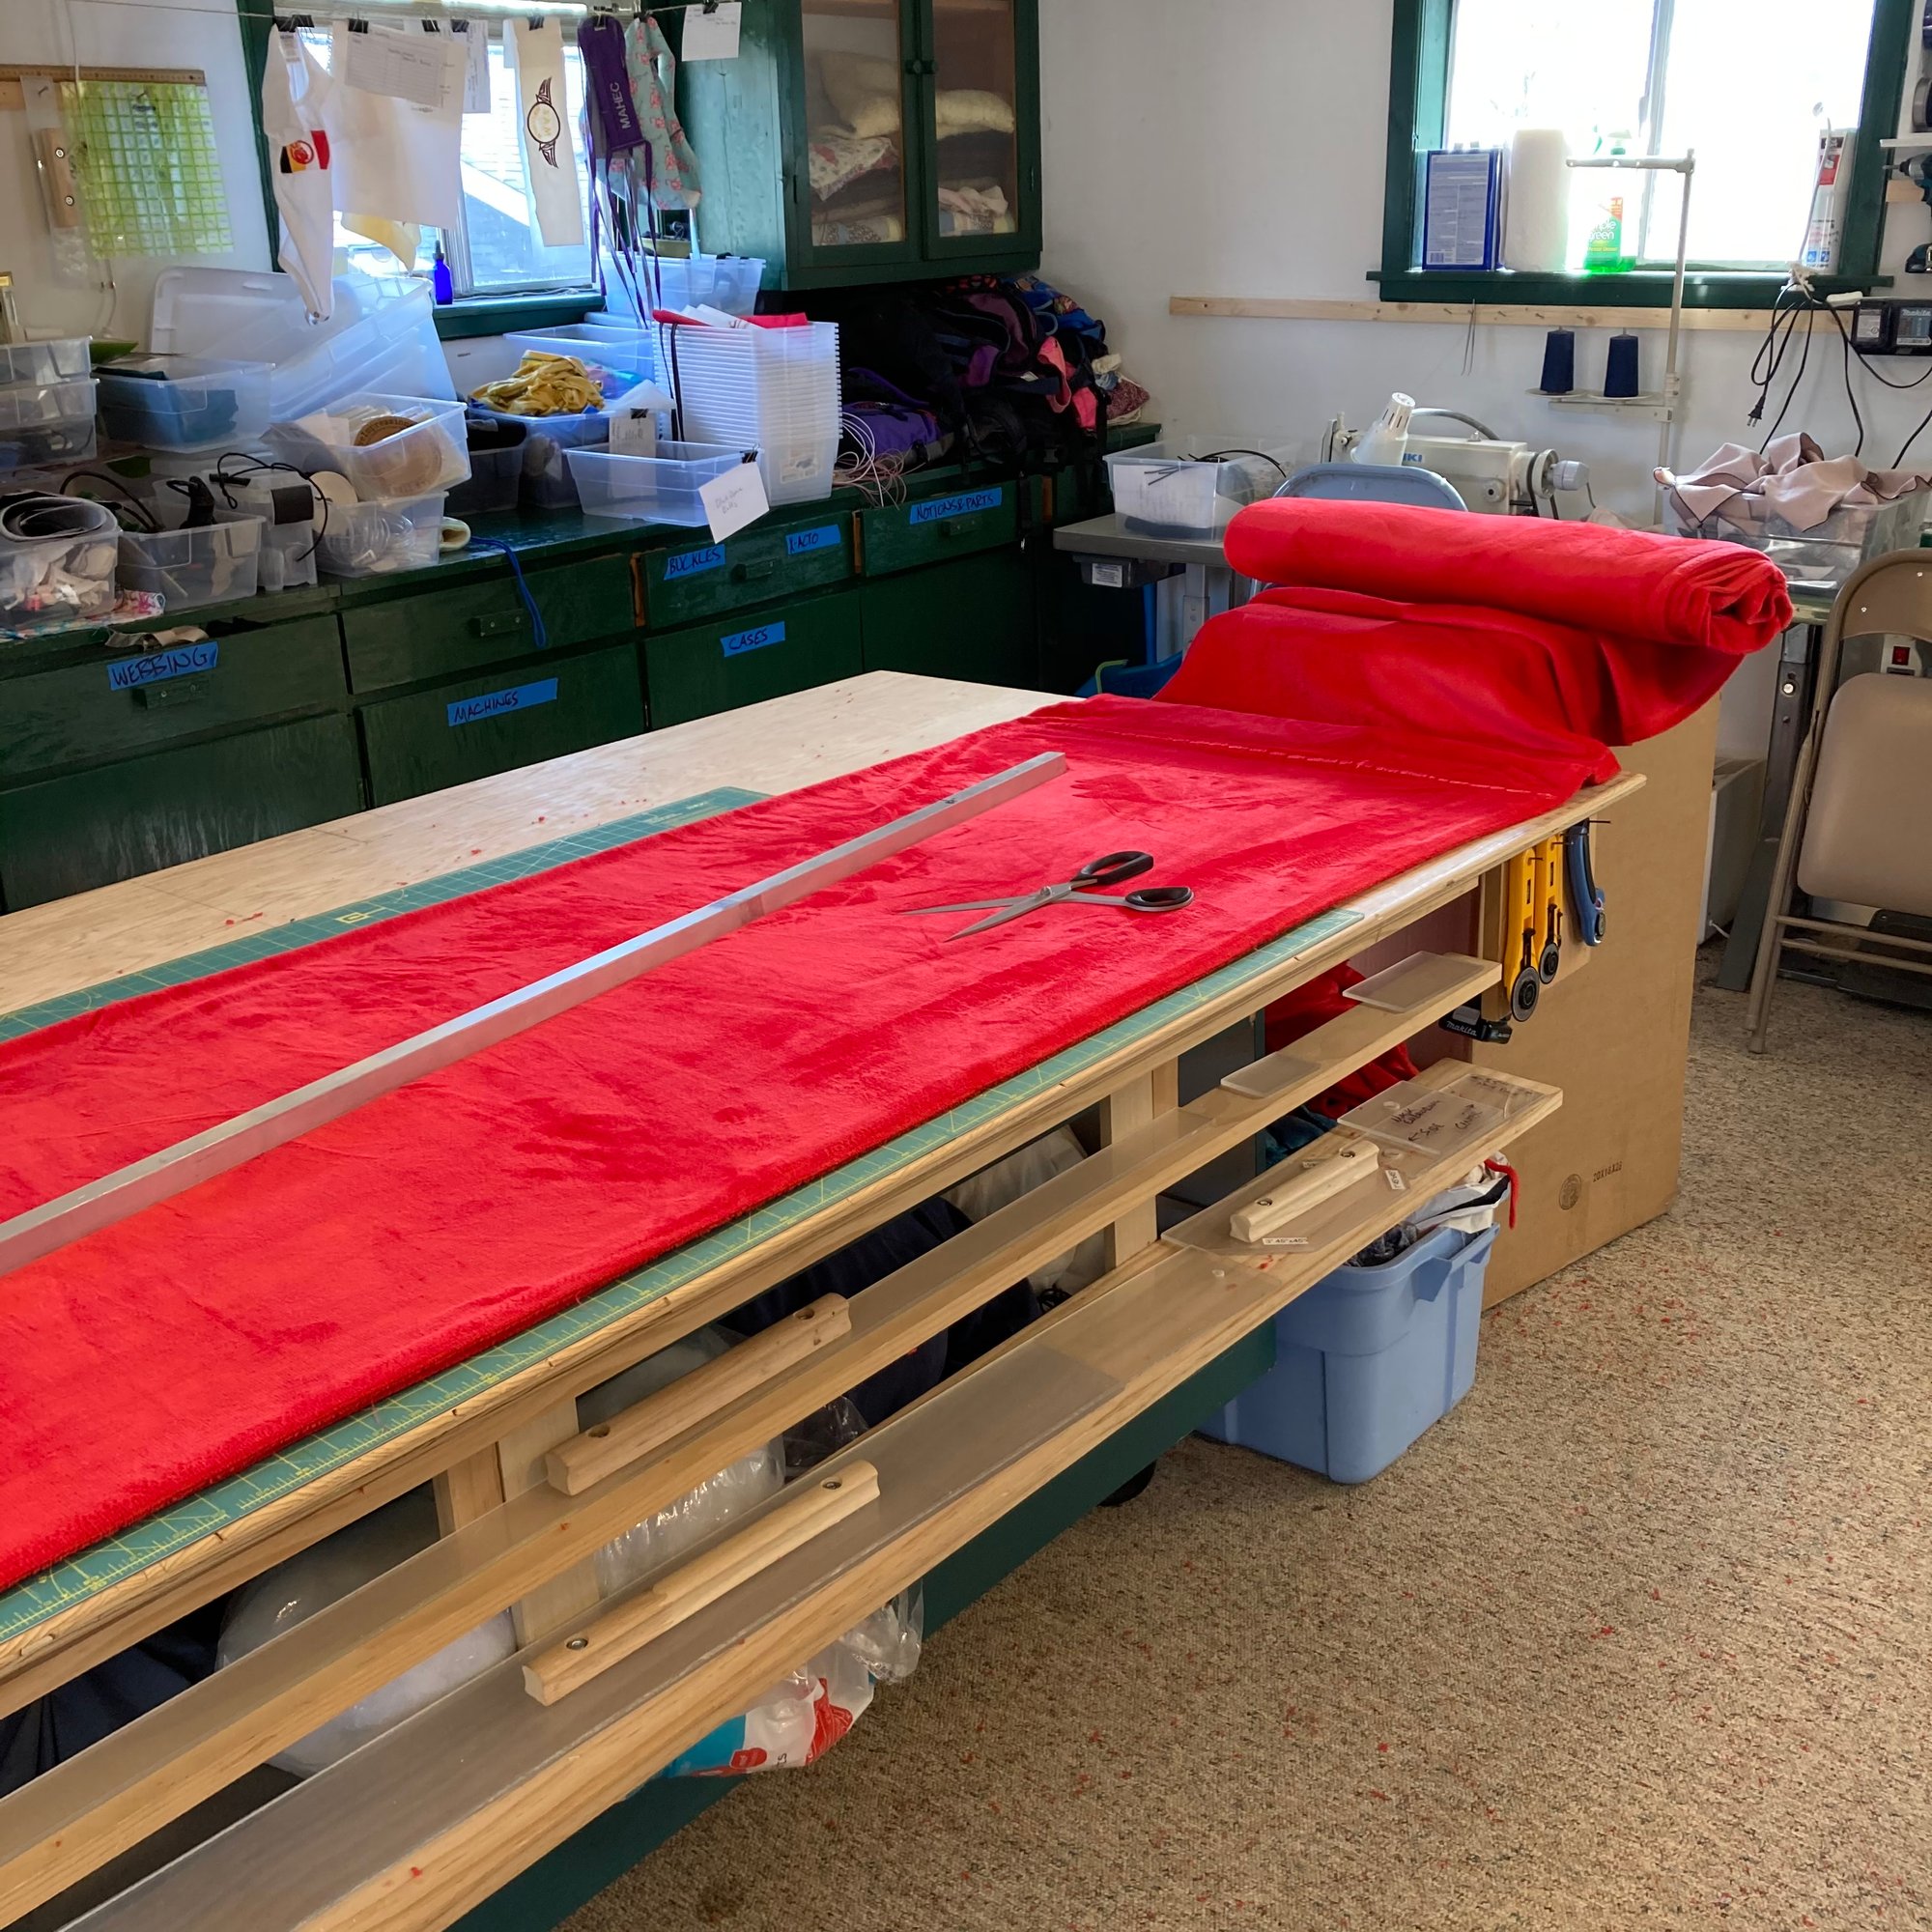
1418 99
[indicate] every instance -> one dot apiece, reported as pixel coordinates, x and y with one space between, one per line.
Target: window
1747 84
495 249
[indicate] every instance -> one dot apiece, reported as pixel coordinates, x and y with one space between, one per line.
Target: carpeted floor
1641 1634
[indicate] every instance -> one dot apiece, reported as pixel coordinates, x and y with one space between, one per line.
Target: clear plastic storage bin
374 539
773 389
184 402
288 553
431 453
1830 549
545 481
1162 493
381 335
494 478
42 362
190 567
727 282
617 360
48 582
659 489
44 424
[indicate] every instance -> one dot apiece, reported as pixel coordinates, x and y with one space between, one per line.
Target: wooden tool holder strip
430 1819
173 1170
107 1620
72 1818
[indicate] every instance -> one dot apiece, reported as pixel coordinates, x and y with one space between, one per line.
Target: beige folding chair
1858 824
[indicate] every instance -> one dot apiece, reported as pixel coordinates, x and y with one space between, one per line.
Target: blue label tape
802 543
967 503
181 661
492 703
738 643
688 563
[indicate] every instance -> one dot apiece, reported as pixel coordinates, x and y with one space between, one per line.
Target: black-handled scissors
1110 868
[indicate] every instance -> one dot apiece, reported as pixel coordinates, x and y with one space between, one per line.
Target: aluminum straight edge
173 1170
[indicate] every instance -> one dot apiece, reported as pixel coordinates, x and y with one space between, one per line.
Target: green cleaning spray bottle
1604 253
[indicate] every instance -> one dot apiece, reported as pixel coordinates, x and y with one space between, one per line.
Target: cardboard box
1615 1036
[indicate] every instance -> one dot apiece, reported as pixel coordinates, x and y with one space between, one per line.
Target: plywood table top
775 746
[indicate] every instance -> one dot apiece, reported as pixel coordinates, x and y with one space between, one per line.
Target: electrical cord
1216 455
539 634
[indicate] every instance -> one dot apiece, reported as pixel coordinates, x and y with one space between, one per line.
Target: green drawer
68 834
112 706
469 730
699 578
719 667
906 536
462 627
974 619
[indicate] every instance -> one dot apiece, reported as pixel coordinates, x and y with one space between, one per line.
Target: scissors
1109 870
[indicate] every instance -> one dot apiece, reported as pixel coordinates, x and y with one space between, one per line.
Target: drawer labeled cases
739 659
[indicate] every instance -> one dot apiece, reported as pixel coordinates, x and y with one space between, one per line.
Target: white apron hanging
398 156
295 96
535 49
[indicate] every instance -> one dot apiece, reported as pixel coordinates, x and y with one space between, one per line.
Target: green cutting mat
228 1502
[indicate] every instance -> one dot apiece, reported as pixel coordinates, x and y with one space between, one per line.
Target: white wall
122 33
1237 148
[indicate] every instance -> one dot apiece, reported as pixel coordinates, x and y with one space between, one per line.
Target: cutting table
429 1823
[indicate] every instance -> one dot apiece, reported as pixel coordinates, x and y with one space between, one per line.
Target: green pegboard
227 1503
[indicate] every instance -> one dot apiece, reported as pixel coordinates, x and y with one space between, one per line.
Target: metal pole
161 1175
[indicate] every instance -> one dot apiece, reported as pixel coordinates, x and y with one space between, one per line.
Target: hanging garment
673 168
535 49
397 156
295 94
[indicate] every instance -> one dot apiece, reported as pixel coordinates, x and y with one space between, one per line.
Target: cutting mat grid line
228 1502
438 891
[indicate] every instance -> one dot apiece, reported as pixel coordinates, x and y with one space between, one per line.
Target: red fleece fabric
161 1354
1506 631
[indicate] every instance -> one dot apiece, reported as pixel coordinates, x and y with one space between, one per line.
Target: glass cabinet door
855 87
976 195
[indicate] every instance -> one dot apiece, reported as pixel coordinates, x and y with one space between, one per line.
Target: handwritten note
733 500
711 33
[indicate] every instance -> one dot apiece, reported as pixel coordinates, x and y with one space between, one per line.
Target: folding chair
1376 483
1860 807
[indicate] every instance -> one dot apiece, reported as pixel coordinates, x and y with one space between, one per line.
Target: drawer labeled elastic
461 627
738 660
698 578
122 702
87 829
901 536
976 619
482 725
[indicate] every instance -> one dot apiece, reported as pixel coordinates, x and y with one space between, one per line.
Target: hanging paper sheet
535 49
295 94
396 123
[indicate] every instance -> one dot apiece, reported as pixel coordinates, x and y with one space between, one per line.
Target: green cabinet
480 727
857 141
113 706
462 627
754 654
85 829
701 579
903 536
974 619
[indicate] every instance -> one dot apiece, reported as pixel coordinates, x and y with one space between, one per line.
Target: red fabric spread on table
158 1355
1517 632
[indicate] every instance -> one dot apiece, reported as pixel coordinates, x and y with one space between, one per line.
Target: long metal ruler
161 1176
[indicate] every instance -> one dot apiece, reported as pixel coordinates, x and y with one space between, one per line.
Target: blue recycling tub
1367 1360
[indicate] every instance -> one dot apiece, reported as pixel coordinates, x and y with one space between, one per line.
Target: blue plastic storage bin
1366 1361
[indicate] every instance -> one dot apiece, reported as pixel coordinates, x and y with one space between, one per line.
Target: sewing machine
1491 476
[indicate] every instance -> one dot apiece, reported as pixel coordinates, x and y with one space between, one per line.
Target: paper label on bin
733 500
711 33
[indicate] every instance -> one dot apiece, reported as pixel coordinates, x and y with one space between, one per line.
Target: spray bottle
1604 253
